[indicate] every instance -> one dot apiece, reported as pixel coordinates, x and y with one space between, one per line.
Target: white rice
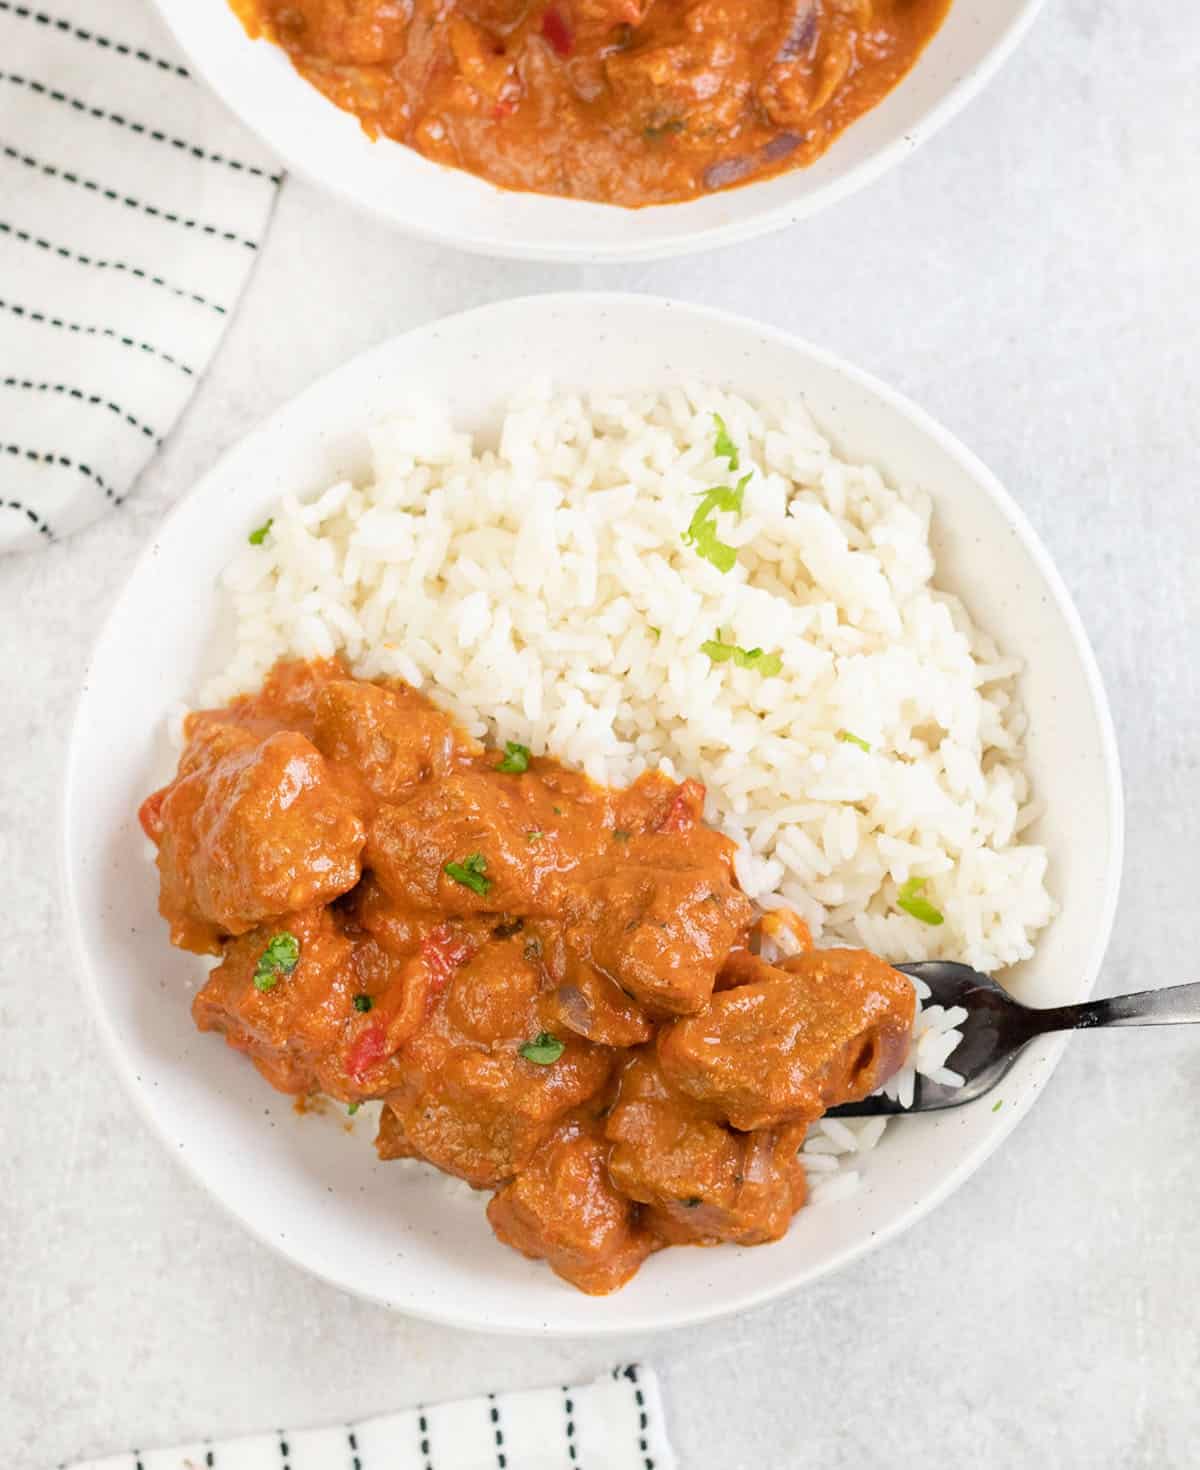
541 590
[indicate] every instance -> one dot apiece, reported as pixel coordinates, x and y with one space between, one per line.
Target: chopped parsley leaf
997 1105
725 448
516 758
470 873
353 1108
534 836
256 538
280 958
702 530
847 737
910 900
544 1049
620 835
767 664
363 1003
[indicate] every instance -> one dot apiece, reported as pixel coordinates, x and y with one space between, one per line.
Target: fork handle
1172 1006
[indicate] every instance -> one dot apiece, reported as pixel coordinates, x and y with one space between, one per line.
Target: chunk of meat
661 933
482 62
336 1023
398 930
249 829
827 1027
602 16
592 1005
691 77
289 1029
288 697
390 1139
468 1101
389 734
562 1208
350 32
514 827
704 1183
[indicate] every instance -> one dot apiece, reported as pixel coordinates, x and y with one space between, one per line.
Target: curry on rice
629 102
557 989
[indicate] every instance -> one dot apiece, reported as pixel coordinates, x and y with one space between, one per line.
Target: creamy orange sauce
554 987
629 102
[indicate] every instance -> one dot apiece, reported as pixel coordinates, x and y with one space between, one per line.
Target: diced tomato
685 809
444 951
557 31
371 1047
504 108
150 815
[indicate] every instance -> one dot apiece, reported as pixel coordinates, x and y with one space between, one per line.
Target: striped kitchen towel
615 1423
132 207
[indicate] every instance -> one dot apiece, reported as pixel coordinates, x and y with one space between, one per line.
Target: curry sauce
629 102
557 989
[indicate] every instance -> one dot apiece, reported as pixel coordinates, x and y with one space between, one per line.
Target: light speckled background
1031 278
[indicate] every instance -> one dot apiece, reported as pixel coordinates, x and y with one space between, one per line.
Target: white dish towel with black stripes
615 1423
132 206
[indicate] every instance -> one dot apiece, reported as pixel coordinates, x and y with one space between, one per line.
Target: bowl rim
1038 1060
678 242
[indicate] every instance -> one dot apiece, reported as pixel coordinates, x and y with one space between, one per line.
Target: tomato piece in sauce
369 1048
444 951
558 32
685 809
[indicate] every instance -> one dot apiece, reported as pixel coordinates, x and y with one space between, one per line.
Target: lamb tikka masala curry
557 989
628 102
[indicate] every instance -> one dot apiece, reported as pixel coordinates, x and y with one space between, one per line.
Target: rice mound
542 591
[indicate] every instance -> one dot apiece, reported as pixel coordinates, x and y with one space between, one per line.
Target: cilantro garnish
544 1049
766 664
470 873
725 448
280 958
702 530
910 900
516 758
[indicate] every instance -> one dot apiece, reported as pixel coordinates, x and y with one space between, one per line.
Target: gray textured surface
1030 278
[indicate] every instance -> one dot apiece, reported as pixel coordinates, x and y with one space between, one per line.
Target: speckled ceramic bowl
422 198
310 1186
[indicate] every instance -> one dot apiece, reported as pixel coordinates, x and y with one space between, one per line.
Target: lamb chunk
661 933
334 1023
391 735
562 1208
250 828
825 1027
347 32
288 1029
469 1102
703 1182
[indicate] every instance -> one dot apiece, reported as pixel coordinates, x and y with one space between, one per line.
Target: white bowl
400 1233
424 198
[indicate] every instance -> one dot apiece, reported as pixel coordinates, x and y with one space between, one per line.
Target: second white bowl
423 198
